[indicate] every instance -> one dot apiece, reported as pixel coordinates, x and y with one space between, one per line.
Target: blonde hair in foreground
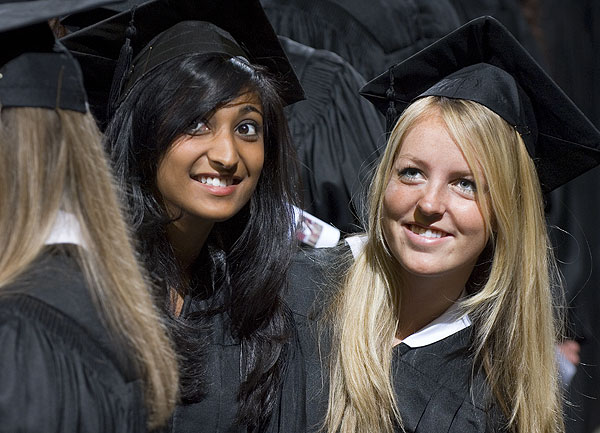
512 313
51 160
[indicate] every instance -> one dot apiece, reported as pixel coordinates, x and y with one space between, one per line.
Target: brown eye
248 128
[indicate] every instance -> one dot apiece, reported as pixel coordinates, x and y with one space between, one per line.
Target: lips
217 181
427 232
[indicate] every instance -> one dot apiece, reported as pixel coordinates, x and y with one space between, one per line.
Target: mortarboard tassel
391 113
122 67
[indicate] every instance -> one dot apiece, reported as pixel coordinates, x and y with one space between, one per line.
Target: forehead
245 98
428 140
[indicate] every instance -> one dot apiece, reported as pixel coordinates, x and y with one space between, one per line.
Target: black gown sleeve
54 379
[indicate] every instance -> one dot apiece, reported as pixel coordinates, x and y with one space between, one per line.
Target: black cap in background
35 70
482 62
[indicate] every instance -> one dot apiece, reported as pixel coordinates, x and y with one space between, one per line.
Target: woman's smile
425 235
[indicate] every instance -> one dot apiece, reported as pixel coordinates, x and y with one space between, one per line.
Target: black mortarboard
35 70
481 61
165 29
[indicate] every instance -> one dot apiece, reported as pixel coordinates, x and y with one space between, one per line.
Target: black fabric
574 207
15 14
567 143
433 384
61 369
338 135
183 38
42 80
35 71
512 13
217 411
370 35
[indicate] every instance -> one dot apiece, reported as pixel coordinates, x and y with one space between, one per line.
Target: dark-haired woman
208 188
200 147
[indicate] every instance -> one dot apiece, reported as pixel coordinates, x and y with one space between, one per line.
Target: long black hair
257 243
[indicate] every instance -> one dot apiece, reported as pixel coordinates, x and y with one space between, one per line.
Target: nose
223 155
432 204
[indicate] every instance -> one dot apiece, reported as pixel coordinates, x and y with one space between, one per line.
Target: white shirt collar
66 230
356 243
449 323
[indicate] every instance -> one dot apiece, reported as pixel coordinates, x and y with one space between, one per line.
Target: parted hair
53 160
509 301
257 243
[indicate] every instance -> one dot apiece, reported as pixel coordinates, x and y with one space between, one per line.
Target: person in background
444 319
83 348
200 147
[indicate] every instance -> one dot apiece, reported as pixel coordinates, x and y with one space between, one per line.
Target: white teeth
427 233
215 181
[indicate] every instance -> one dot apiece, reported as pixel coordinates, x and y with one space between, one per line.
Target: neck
187 239
424 299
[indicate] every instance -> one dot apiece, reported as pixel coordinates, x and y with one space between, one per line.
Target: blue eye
467 186
409 173
198 127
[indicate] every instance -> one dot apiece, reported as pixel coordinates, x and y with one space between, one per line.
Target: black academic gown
370 35
60 370
433 384
216 412
338 135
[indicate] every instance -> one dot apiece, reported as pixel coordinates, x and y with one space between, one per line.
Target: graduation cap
157 31
482 62
78 20
35 70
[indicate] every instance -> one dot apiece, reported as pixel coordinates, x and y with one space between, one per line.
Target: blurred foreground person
83 349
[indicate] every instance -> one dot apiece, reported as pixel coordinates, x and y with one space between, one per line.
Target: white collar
66 230
356 243
449 323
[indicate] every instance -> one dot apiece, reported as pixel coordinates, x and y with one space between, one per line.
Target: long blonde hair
51 160
512 311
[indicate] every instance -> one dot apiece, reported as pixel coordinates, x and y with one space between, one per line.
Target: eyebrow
250 109
419 161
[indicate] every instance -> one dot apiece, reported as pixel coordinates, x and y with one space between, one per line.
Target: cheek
394 207
397 201
254 158
473 225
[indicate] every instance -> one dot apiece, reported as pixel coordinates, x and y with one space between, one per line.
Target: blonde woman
444 322
83 348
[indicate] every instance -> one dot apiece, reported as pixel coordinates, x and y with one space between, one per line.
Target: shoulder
56 372
311 278
55 282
